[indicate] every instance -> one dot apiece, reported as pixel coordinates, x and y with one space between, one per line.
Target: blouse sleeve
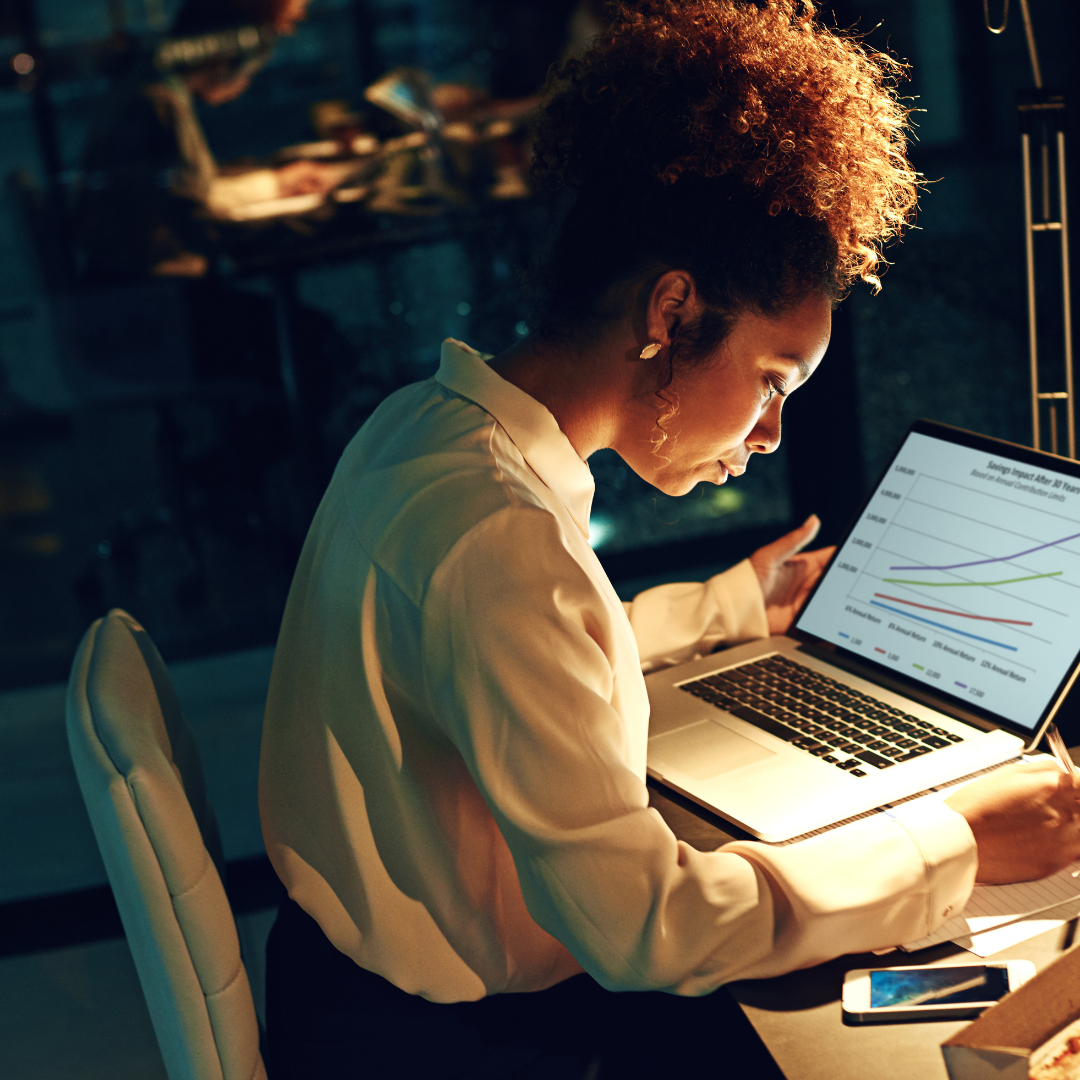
674 623
520 669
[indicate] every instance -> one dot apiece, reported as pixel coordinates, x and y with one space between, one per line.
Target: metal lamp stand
1042 140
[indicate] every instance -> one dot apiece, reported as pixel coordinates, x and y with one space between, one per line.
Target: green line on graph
964 584
919 666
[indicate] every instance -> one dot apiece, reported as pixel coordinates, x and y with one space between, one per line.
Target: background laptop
940 641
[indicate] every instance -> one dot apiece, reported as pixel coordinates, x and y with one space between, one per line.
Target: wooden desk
798 1016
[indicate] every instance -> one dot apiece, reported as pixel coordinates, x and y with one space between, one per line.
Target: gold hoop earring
651 350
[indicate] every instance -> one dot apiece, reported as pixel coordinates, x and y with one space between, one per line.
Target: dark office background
137 493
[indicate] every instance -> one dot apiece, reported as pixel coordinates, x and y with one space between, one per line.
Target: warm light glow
22 63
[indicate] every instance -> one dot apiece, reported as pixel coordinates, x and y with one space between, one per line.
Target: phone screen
937 986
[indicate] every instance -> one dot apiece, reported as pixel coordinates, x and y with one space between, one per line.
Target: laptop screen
963 573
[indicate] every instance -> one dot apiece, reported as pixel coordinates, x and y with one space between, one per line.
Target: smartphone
957 992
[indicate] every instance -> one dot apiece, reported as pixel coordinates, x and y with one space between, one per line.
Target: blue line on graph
842 634
942 626
983 562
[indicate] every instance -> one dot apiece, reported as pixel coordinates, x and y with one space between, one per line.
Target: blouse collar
531 427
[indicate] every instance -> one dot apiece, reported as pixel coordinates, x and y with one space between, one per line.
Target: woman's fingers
810 565
769 560
779 551
786 573
305 178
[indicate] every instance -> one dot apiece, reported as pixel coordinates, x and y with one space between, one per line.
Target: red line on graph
882 651
949 611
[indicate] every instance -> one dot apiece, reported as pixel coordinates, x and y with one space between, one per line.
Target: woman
452 783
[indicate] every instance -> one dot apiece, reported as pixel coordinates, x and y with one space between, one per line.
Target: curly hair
740 140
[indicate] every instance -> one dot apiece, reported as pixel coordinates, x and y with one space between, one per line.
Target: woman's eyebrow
803 365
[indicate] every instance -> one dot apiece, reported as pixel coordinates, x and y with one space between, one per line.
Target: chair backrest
139 771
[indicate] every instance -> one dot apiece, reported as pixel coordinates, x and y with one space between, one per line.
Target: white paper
993 941
992 906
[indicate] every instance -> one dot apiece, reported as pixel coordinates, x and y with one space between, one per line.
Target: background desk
799 1016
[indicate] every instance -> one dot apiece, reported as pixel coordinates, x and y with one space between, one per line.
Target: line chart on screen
960 576
957 560
969 593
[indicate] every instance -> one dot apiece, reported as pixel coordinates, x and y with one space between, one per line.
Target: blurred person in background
150 178
146 213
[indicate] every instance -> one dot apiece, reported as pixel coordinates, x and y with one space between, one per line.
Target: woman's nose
765 437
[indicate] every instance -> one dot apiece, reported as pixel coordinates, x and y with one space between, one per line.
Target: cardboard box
999 1044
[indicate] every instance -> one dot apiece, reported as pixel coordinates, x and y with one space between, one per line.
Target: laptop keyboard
821 716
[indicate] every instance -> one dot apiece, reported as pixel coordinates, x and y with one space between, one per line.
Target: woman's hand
1025 819
786 576
306 178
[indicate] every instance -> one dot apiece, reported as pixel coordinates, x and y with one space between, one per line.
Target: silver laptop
940 641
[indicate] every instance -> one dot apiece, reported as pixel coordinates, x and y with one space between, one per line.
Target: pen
1057 748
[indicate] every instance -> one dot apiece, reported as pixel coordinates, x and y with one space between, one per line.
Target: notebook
994 906
939 642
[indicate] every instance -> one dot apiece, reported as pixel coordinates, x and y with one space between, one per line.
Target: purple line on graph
963 684
983 562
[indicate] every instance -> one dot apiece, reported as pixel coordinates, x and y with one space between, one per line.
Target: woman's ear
672 301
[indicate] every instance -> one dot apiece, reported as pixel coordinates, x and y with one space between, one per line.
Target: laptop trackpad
704 750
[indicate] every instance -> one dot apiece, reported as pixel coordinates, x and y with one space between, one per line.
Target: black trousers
328 1019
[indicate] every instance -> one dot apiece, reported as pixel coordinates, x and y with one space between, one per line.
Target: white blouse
453 766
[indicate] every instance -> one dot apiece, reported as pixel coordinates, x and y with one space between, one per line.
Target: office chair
140 774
